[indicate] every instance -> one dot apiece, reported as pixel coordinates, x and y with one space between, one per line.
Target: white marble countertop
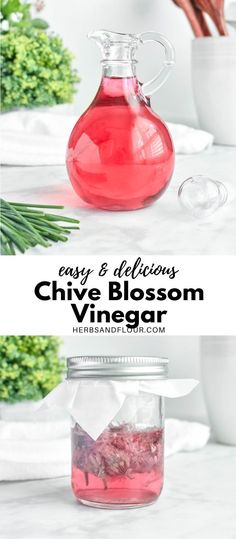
198 502
163 228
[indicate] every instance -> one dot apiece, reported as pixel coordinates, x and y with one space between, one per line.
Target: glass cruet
120 154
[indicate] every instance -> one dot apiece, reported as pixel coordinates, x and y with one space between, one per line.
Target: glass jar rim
138 367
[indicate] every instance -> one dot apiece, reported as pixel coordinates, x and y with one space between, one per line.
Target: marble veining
198 502
163 228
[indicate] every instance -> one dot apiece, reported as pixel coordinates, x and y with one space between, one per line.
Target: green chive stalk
23 226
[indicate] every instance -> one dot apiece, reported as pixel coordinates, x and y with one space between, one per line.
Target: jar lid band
116 367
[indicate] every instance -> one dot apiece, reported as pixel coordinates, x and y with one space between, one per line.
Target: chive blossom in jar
123 466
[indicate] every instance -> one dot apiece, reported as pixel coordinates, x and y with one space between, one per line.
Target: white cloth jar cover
93 404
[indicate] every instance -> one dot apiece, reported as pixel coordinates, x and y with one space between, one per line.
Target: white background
75 18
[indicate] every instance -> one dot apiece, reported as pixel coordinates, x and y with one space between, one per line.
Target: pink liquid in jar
120 154
122 468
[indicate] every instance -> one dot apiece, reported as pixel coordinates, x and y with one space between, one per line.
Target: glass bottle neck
119 69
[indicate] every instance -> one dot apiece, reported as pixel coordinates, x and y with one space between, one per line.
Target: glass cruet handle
150 87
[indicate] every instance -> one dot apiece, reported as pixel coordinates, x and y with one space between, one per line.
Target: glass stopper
201 196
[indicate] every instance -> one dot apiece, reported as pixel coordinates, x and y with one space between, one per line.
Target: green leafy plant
16 12
36 67
29 367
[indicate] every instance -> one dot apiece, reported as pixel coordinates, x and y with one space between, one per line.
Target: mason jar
123 467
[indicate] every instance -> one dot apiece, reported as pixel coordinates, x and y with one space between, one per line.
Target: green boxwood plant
36 67
29 367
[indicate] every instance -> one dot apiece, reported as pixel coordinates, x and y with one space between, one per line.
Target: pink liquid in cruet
124 466
120 154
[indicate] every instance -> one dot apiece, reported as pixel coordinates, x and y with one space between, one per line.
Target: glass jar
123 467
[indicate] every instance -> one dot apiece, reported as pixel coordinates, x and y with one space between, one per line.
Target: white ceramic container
218 366
214 86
